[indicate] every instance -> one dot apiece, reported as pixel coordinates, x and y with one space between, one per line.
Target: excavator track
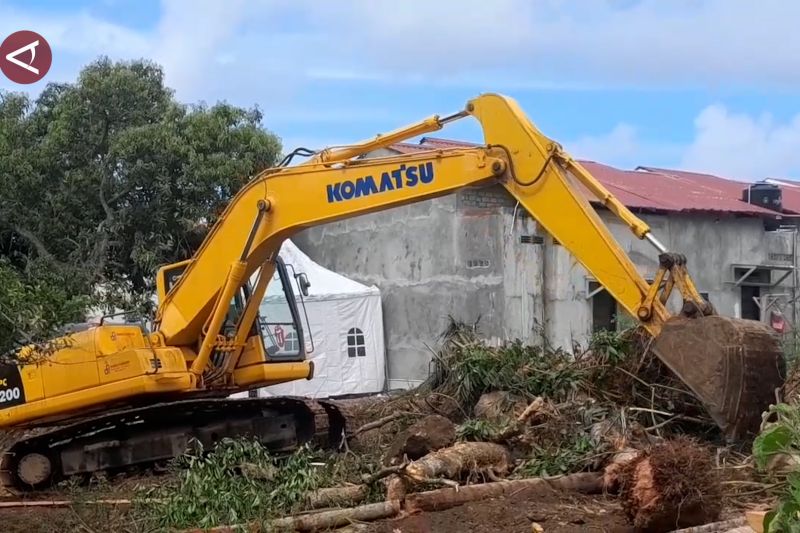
33 459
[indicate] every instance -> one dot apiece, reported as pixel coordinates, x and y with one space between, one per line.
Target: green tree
106 179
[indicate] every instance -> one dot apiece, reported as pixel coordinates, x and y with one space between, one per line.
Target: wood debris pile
491 420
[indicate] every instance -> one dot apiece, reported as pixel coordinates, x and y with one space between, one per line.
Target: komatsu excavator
118 395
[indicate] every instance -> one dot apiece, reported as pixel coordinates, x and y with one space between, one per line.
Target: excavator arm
547 182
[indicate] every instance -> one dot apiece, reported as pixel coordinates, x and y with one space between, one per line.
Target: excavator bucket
733 366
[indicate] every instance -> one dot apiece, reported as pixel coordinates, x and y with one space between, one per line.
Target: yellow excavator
116 395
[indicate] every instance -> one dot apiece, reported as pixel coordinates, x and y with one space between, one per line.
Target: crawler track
139 436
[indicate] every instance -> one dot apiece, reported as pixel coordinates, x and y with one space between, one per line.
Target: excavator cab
278 321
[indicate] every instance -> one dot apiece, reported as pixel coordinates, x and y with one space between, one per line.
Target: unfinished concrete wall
469 255
456 256
712 245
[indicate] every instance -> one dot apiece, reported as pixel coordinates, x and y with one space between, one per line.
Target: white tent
346 323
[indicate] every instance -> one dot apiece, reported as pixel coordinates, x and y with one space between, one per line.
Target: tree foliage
103 181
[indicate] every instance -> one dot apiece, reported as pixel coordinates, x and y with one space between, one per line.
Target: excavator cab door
278 322
279 318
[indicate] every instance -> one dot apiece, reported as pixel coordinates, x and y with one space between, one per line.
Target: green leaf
771 441
769 518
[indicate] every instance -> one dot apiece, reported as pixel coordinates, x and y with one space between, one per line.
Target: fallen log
395 488
613 470
383 472
337 518
437 500
60 503
319 521
432 433
458 459
715 527
336 496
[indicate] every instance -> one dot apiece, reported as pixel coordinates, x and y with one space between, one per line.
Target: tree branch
41 249
100 251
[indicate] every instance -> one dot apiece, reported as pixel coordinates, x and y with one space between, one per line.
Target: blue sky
706 85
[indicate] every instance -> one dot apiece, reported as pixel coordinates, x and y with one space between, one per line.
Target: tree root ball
670 486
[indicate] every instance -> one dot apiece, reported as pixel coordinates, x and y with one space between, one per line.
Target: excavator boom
207 341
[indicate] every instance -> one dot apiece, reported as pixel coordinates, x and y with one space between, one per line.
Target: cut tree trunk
671 485
436 500
337 496
459 459
62 503
615 467
340 517
320 521
518 427
717 527
429 434
395 489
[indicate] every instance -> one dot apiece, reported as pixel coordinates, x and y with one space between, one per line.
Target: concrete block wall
485 197
711 244
433 260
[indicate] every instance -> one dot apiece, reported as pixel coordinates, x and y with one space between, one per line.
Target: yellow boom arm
333 186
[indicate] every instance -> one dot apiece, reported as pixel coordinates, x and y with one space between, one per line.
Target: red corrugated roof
409 148
656 189
727 190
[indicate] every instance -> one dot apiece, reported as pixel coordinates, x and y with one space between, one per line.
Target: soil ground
554 512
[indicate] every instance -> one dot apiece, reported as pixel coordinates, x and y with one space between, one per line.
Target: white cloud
212 49
271 51
78 33
623 147
620 143
724 143
744 146
190 35
553 42
75 39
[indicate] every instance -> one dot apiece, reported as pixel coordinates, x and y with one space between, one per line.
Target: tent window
292 342
355 343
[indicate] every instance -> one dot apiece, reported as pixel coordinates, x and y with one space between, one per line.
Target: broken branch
384 472
383 421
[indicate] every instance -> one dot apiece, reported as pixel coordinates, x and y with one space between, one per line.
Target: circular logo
25 57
